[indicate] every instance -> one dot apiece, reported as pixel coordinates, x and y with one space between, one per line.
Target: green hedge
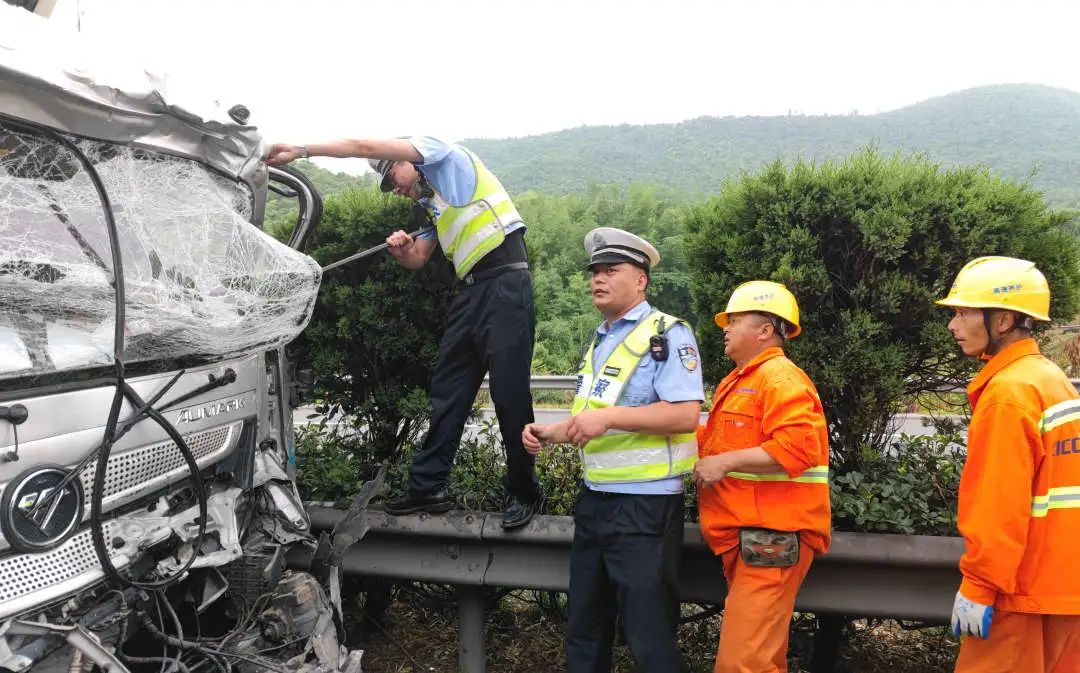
910 489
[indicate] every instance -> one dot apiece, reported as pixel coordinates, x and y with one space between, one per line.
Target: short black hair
782 328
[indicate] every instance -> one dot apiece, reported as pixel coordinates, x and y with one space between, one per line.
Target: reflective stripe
609 460
624 440
467 214
684 447
1059 414
814 475
475 244
1063 497
635 474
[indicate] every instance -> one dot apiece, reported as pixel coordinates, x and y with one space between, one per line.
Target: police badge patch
688 357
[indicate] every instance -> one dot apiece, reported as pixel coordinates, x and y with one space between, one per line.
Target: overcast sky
314 70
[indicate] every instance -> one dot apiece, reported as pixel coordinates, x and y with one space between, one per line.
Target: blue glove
970 618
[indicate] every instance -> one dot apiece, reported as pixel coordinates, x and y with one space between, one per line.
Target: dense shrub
333 461
867 245
909 489
374 335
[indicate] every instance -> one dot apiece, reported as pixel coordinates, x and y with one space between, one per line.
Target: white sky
312 70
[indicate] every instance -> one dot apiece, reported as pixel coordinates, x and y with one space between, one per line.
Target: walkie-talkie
658 346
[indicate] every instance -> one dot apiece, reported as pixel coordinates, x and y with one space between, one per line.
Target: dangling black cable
123 390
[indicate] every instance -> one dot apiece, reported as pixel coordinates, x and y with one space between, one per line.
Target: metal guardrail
866 575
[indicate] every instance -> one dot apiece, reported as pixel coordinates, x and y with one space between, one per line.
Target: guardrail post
471 655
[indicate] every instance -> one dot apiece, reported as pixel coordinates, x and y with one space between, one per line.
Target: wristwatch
304 154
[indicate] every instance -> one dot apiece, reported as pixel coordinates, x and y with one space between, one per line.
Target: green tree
373 339
867 245
558 224
1015 129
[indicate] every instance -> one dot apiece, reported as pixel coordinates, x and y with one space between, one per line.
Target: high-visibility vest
467 233
627 457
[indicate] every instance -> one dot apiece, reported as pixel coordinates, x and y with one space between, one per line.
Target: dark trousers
625 562
490 329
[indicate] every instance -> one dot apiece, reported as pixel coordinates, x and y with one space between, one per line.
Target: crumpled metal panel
49 76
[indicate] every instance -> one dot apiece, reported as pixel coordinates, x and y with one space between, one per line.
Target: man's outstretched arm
394 149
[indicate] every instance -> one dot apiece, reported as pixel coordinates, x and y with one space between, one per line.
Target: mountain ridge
1021 131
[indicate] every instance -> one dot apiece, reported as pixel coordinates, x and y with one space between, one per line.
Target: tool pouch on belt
768 548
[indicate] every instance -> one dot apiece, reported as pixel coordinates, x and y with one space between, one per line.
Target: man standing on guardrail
1019 602
762 478
491 325
638 401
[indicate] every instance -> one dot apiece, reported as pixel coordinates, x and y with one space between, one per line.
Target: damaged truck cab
147 498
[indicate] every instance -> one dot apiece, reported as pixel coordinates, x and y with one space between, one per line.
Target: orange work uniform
1019 513
769 403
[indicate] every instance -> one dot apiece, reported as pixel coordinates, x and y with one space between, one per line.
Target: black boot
519 512
415 501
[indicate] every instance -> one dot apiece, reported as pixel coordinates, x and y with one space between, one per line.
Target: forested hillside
1026 132
1021 131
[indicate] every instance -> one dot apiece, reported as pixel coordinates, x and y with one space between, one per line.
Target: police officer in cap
491 325
634 416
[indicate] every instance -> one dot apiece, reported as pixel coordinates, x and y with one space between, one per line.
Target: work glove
970 618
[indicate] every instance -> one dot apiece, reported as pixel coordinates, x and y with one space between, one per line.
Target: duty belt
473 278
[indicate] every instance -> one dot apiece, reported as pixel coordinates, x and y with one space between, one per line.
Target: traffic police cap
608 245
382 169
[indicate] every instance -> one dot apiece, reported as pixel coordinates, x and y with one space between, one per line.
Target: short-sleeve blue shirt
677 379
450 171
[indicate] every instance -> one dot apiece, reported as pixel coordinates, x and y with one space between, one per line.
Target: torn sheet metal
51 76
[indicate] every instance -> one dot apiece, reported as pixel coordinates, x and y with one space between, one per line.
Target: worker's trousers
624 563
757 614
490 329
1024 643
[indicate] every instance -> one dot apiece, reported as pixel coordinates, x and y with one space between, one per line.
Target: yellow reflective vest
467 233
626 457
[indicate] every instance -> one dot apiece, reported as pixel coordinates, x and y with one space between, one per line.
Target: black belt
614 494
473 278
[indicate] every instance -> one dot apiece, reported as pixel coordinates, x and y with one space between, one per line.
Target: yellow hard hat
764 296
1001 282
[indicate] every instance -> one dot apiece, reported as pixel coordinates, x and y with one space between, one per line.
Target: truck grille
25 573
140 470
29 580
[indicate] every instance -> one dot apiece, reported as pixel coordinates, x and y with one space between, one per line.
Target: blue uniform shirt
678 379
450 171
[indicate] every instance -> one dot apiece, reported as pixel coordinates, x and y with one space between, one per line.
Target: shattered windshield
200 279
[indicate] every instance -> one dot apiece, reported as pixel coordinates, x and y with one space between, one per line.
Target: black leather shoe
518 513
435 502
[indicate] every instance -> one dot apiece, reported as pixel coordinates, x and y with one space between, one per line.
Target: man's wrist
722 462
611 416
977 592
304 153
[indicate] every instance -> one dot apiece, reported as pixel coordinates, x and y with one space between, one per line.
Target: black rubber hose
187 645
97 530
123 390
